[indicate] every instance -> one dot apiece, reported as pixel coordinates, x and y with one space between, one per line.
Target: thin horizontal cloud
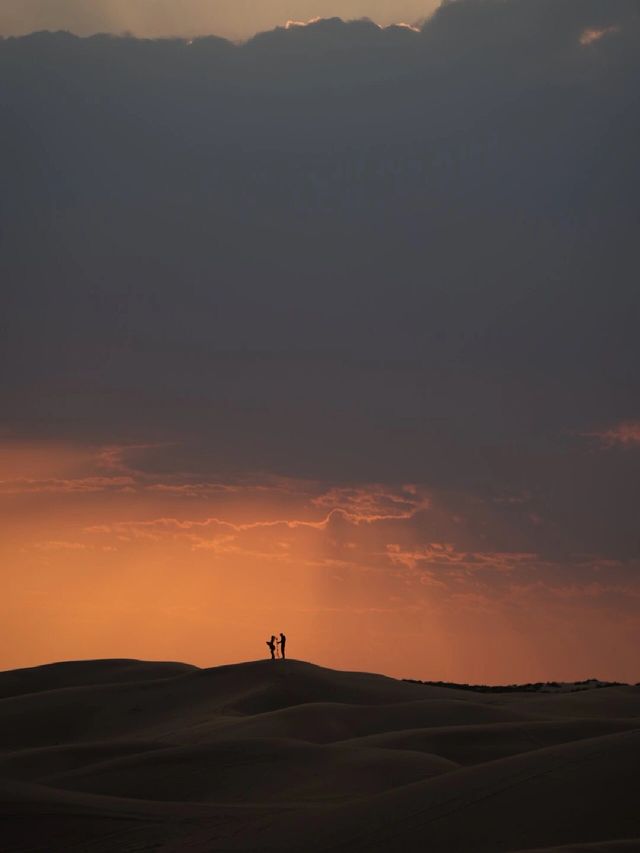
594 589
447 555
55 545
374 503
195 490
622 584
175 525
117 457
24 485
625 435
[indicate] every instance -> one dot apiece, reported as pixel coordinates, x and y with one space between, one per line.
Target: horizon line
278 661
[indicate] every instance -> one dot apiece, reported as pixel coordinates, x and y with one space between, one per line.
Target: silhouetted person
272 646
283 641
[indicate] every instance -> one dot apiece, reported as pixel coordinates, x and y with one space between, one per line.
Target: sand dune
600 703
602 847
583 790
324 722
32 765
132 756
194 706
479 743
254 770
82 673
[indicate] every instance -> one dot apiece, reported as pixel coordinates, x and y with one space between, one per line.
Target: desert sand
127 755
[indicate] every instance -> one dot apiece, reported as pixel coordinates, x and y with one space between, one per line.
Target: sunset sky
333 332
234 19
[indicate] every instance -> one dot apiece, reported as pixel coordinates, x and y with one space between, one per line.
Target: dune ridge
134 755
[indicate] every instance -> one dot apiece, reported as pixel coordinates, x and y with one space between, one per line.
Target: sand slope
255 770
476 744
601 847
132 756
82 673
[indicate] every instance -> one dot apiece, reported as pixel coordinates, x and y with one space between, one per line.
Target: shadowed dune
324 722
82 673
604 847
606 702
196 705
254 770
128 756
479 743
32 765
584 789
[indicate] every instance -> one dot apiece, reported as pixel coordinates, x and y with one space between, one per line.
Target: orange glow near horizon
102 558
226 18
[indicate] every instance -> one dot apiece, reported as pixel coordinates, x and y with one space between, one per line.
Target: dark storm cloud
340 252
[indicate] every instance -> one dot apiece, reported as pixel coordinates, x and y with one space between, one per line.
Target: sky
331 332
233 19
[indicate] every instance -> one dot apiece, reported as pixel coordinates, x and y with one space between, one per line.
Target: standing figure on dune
272 646
283 641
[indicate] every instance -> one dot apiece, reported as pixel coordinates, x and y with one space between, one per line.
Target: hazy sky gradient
334 332
235 19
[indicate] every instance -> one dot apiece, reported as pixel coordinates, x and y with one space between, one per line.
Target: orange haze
228 18
102 558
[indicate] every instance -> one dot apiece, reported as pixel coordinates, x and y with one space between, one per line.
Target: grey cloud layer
340 252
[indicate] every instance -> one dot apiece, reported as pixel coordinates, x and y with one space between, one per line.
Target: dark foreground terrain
286 756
